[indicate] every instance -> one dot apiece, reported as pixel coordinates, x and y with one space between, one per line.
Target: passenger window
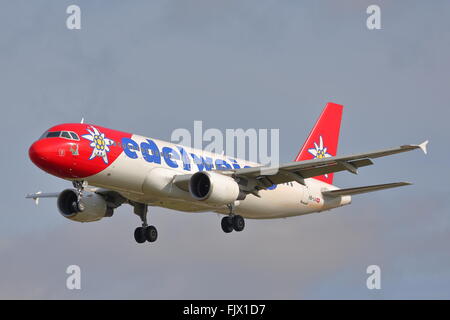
54 134
74 136
66 135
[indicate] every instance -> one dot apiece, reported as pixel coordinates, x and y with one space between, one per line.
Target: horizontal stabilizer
358 190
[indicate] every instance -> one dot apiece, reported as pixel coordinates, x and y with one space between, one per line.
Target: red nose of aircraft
70 150
40 153
47 155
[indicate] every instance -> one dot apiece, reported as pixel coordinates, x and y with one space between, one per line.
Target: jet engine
214 188
84 207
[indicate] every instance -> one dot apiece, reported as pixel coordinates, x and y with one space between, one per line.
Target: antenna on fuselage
82 120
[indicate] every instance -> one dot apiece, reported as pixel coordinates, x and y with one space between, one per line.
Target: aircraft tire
227 224
139 235
151 234
238 223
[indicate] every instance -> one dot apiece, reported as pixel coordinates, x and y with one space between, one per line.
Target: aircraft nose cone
51 155
39 153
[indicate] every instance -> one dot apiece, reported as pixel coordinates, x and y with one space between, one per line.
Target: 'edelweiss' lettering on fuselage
150 152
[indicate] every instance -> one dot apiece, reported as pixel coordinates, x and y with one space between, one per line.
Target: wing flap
359 190
334 167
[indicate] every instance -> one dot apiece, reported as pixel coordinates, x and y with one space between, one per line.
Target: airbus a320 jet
109 168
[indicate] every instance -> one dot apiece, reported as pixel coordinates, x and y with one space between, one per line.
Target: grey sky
150 67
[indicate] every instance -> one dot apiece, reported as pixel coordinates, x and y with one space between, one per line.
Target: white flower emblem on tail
319 151
99 143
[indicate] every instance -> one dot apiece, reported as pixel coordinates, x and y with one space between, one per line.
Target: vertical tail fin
323 140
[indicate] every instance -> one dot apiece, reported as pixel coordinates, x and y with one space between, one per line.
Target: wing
42 195
113 198
36 196
298 171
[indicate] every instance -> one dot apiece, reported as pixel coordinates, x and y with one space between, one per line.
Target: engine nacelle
89 207
213 188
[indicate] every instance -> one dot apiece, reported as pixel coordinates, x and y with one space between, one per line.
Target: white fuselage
152 183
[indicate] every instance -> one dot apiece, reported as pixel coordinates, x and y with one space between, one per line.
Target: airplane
109 168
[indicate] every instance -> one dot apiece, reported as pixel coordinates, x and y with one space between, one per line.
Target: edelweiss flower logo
319 151
99 143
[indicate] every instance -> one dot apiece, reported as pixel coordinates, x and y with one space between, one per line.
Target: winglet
423 146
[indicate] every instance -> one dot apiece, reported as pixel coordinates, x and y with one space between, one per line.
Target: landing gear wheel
151 234
238 223
139 235
227 224
146 232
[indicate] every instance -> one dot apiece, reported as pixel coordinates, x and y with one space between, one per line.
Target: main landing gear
232 222
146 232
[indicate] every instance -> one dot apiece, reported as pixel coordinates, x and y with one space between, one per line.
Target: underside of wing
38 195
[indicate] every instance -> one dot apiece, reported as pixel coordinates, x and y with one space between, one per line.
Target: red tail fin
323 140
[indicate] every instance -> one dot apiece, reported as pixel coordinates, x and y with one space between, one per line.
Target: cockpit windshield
54 134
